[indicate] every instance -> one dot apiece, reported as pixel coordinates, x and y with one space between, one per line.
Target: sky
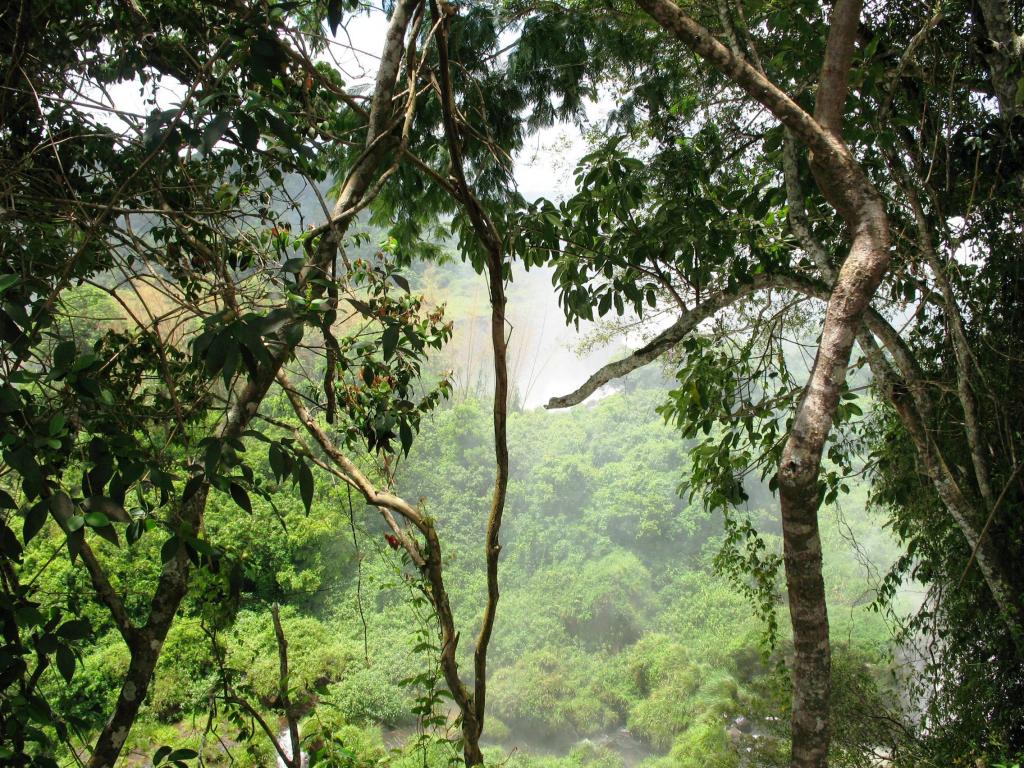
544 167
547 360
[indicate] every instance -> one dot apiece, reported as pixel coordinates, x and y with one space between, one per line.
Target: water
284 739
619 742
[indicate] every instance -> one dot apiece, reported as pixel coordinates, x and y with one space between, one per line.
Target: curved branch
430 566
491 240
747 77
664 341
904 387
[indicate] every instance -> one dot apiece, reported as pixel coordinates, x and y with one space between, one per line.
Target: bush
185 673
704 744
681 694
340 744
367 695
315 653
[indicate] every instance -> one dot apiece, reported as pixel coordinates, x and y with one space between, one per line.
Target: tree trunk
148 642
1004 54
846 187
173 583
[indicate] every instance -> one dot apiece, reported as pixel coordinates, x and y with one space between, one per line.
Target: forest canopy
264 500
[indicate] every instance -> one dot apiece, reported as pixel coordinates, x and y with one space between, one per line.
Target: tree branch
431 566
490 239
62 508
833 81
663 342
754 83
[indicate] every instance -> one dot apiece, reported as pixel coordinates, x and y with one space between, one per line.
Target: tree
170 215
179 200
637 233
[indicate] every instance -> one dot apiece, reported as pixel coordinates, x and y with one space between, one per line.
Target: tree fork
173 583
848 189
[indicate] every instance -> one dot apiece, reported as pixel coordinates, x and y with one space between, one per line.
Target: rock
743 724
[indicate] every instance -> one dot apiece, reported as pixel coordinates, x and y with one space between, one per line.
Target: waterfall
284 739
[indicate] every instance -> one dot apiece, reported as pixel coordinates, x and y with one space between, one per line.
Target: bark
967 384
906 390
148 642
847 188
430 563
490 239
173 583
1004 54
998 569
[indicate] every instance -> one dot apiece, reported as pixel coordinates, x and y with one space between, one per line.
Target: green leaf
240 496
305 485
35 519
212 457
63 355
192 487
134 531
108 507
215 129
74 629
10 400
872 46
65 662
6 281
109 533
96 519
362 308
169 550
279 461
56 424
405 435
75 540
389 340
160 754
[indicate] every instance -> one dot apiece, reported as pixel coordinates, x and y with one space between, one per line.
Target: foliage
156 272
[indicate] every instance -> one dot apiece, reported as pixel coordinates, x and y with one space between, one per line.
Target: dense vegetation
613 616
247 511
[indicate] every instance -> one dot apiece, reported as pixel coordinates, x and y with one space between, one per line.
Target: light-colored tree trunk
1004 54
848 189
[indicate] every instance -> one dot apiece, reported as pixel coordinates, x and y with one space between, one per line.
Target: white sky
544 168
